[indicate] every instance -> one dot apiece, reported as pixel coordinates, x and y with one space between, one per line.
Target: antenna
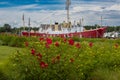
67 8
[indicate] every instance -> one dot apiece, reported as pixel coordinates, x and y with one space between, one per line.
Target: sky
51 11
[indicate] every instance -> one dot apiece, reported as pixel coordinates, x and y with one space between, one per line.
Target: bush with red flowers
63 59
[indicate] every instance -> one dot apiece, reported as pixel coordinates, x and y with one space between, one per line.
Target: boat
66 29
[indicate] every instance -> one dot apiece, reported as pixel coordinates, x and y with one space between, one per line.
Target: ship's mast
67 8
29 25
23 21
101 21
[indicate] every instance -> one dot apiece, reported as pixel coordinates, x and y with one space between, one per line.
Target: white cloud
114 7
87 8
90 12
14 17
26 6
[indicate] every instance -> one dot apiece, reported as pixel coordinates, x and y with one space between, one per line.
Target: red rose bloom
58 57
90 44
71 60
26 44
41 39
71 42
116 45
47 45
43 64
64 39
39 56
56 44
53 60
49 41
78 45
33 51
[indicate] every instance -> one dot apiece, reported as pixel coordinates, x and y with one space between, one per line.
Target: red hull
95 33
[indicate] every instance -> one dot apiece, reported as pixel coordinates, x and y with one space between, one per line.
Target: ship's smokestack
56 26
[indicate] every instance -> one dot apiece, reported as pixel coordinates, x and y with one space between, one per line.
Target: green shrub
2 75
5 39
64 59
1 42
22 66
17 41
12 40
62 64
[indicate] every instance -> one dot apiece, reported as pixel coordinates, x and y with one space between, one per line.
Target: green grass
105 74
5 52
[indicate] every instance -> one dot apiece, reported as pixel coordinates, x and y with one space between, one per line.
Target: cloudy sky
50 11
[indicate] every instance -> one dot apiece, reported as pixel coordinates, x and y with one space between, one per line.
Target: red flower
33 51
49 41
78 45
71 60
39 56
53 60
57 44
47 45
43 64
62 36
116 45
58 57
64 39
26 44
71 42
90 44
41 39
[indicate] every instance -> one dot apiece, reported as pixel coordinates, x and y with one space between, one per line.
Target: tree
2 29
7 28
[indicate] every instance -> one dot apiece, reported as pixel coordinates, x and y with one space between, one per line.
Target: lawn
5 52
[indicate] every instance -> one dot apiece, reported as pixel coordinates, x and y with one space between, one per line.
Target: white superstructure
60 29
